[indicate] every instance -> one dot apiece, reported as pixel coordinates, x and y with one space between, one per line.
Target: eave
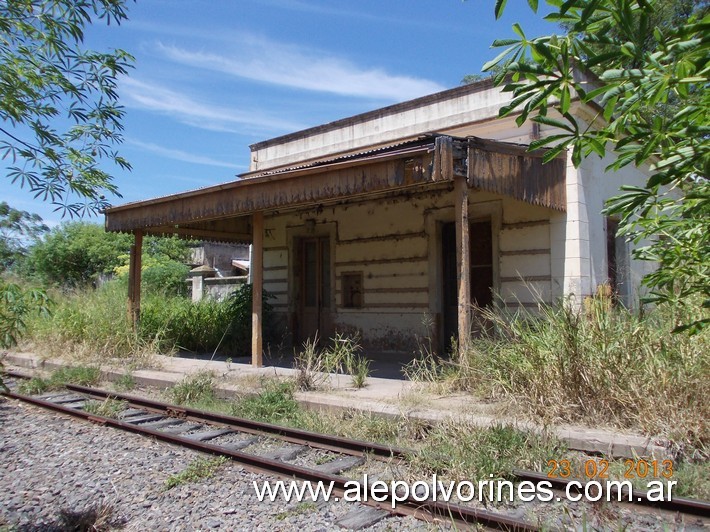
223 212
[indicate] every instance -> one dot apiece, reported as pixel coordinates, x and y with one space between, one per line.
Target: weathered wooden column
134 279
256 270
463 260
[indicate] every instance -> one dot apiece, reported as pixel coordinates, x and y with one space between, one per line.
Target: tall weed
461 451
88 322
598 365
95 323
342 356
194 390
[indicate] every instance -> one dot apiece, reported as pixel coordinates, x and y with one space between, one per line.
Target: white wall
447 111
576 262
599 186
395 243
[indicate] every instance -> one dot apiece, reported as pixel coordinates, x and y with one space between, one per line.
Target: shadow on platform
383 364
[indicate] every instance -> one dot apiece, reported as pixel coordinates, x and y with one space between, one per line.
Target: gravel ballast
53 466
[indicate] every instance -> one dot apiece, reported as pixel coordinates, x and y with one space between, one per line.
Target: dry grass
598 366
89 326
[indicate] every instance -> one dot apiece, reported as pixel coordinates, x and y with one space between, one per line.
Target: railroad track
194 429
199 430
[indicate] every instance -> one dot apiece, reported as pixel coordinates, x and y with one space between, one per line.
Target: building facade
398 223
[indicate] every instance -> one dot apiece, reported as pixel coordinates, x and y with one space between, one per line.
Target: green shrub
165 276
75 253
194 389
274 404
95 321
207 325
18 305
240 307
180 323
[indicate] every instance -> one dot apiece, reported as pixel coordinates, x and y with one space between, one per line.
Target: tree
59 116
652 104
17 230
468 79
77 253
58 102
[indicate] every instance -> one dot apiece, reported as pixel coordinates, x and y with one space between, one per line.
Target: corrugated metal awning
222 212
511 170
209 209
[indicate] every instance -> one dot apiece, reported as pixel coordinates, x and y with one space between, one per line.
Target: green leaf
533 5
553 153
546 141
553 122
499 8
565 100
493 62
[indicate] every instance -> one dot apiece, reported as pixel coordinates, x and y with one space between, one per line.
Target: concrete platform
386 397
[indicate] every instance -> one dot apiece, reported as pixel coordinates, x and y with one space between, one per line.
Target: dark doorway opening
481 271
314 294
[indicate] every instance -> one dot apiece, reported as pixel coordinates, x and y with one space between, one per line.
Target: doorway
481 272
314 295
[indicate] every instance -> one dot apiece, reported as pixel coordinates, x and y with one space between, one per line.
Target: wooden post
463 260
134 279
256 270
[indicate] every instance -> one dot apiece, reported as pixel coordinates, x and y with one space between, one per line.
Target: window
352 290
617 262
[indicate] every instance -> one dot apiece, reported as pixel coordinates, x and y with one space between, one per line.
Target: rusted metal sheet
223 212
511 170
443 159
225 230
286 189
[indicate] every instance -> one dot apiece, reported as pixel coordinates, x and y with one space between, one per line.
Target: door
481 272
314 293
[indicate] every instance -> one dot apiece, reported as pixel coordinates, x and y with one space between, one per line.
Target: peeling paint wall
394 243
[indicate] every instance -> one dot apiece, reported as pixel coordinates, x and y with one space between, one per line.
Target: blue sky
213 76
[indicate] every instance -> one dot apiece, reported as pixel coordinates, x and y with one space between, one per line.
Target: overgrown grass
463 452
94 323
194 390
81 375
109 407
274 404
452 449
125 382
596 366
34 386
199 469
181 324
89 324
343 355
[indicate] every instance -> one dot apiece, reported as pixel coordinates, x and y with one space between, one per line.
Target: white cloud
153 97
270 62
180 155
